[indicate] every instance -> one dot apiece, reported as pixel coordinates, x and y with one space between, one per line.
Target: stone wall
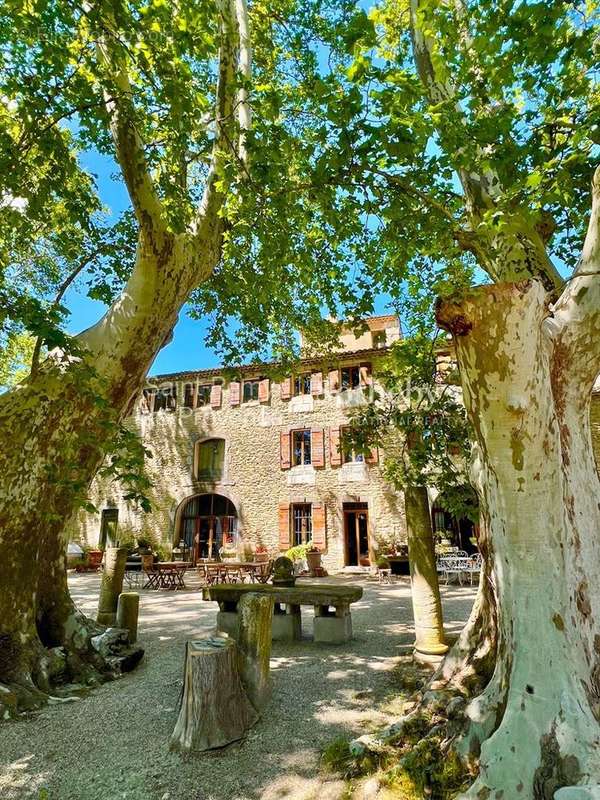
253 478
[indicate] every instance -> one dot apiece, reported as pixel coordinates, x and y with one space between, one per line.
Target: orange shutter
263 390
285 450
316 383
319 538
216 393
286 388
317 448
373 457
366 379
335 453
234 393
334 380
284 526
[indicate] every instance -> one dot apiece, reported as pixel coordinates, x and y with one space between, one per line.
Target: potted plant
313 557
228 554
144 545
261 554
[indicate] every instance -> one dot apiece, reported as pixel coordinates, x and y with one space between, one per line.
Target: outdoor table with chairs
212 572
166 575
458 565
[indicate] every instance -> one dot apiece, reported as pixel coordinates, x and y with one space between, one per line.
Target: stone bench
333 622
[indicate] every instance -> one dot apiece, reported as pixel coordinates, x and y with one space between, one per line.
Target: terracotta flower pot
314 560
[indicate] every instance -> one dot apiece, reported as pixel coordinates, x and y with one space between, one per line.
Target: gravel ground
113 744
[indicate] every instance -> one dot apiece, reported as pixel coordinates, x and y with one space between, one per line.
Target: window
204 390
302 384
349 454
251 390
302 523
350 378
379 339
188 395
300 448
211 456
108 528
148 401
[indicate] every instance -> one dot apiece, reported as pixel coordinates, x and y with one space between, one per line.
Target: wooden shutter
334 380
335 453
373 457
263 390
285 450
317 448
366 379
316 383
286 388
284 526
216 394
234 393
319 538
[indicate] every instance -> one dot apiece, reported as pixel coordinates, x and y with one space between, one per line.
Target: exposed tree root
82 661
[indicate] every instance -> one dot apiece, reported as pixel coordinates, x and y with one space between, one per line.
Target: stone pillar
112 584
287 624
127 613
333 627
255 613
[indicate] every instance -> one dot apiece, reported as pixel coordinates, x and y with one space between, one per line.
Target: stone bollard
128 609
112 584
254 642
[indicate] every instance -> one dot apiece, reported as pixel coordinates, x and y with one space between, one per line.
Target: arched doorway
207 522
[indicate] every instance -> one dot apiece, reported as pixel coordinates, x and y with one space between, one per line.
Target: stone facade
256 476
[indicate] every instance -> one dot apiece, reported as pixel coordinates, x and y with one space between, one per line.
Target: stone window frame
196 460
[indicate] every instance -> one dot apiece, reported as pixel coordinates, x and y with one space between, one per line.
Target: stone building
242 460
245 460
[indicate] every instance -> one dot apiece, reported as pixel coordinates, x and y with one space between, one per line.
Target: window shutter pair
318 526
334 380
335 452
284 526
216 394
286 388
263 390
316 383
234 393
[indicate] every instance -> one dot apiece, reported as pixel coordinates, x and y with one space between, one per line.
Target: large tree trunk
425 589
53 432
535 725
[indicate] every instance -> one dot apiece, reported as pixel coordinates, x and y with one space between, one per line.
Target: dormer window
379 339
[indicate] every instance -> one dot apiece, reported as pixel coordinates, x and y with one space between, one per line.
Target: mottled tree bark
536 723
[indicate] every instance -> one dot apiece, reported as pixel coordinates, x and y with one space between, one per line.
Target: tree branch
576 318
128 143
245 66
214 194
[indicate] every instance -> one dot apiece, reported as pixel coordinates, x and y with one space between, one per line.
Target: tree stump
128 608
112 584
215 710
255 614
